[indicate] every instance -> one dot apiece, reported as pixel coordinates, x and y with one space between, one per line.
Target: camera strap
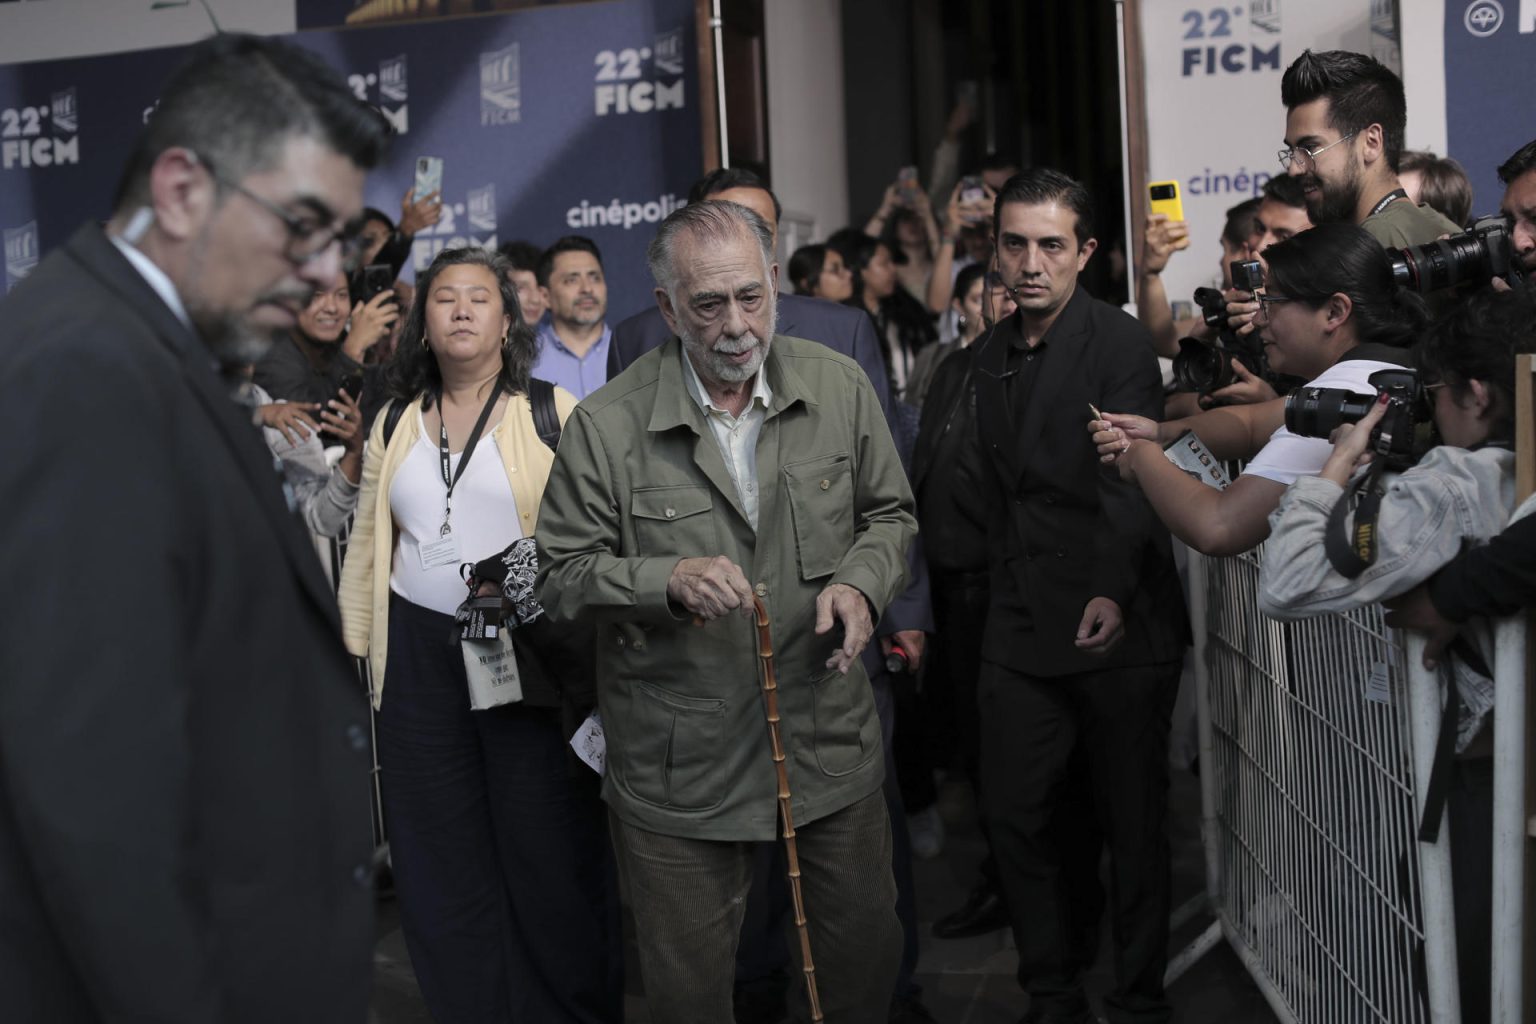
1352 551
1387 200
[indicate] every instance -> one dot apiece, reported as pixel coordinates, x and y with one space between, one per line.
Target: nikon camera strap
1351 552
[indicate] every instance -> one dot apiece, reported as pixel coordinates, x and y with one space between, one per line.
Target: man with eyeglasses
183 741
1344 125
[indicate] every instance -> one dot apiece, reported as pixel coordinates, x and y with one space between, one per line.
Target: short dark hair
996 161
1361 91
1287 189
969 275
1042 185
373 213
1478 339
236 102
522 255
1240 224
1443 184
1522 162
412 371
724 179
1312 266
570 243
805 268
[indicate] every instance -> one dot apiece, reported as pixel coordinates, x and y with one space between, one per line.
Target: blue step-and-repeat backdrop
578 118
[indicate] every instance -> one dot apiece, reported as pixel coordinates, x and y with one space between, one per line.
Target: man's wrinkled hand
710 588
842 603
1102 627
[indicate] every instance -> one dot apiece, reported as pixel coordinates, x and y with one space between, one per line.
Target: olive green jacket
638 484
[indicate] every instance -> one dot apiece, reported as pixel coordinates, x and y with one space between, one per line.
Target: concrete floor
965 981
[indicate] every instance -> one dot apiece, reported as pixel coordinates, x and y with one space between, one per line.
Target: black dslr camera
1405 432
1484 252
1202 367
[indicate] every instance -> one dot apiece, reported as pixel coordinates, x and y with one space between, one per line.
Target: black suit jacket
184 758
1065 528
845 330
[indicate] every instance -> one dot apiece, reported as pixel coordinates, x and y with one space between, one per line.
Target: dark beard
1334 205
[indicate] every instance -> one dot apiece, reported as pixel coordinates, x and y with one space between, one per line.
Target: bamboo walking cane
771 711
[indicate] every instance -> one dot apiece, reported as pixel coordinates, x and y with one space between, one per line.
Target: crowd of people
921 460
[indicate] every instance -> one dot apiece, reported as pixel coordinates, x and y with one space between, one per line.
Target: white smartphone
429 176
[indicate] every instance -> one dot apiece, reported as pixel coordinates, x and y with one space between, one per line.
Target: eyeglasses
308 236
1291 154
1267 300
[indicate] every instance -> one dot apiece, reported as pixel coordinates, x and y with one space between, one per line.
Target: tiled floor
967 981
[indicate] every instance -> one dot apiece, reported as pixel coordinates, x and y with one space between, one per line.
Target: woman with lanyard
499 852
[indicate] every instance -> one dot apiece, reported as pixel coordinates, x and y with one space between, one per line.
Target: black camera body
1202 367
1402 437
1483 252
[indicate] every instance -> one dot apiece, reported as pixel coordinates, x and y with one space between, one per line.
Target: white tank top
484 518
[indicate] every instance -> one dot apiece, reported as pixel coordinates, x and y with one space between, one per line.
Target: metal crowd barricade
1312 735
331 551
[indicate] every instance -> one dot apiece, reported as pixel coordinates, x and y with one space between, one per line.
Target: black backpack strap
546 420
392 413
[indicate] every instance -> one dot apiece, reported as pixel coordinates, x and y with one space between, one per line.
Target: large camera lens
1482 253
1317 412
1200 367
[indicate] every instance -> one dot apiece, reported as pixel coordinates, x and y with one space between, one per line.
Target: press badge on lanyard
445 550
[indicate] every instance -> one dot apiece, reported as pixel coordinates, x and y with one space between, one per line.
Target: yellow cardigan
364 590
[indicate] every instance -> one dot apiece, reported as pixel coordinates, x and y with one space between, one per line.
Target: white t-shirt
484 518
1287 456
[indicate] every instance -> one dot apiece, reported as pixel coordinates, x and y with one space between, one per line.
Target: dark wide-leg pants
500 852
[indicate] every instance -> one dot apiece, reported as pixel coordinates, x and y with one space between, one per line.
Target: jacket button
619 640
362 875
670 513
825 484
357 739
761 590
1050 499
1061 552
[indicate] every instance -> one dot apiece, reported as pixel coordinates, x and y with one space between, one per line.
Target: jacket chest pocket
674 521
820 494
675 743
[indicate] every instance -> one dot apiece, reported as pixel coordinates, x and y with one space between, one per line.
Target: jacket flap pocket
669 503
823 467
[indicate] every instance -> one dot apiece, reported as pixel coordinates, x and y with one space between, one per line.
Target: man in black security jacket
1086 626
184 752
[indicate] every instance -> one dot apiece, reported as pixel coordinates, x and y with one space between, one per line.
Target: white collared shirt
736 436
155 278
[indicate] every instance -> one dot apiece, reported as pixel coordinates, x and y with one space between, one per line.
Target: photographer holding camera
1330 312
1462 490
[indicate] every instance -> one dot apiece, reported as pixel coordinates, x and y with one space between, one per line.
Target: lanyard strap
451 476
1387 200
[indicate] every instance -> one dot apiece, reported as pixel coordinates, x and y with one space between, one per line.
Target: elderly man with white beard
731 464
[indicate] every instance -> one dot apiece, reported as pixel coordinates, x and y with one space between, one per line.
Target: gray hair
712 220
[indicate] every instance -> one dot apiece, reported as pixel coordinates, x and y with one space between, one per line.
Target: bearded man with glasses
183 835
1344 125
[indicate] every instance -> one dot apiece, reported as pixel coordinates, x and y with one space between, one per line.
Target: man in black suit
184 751
1086 624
